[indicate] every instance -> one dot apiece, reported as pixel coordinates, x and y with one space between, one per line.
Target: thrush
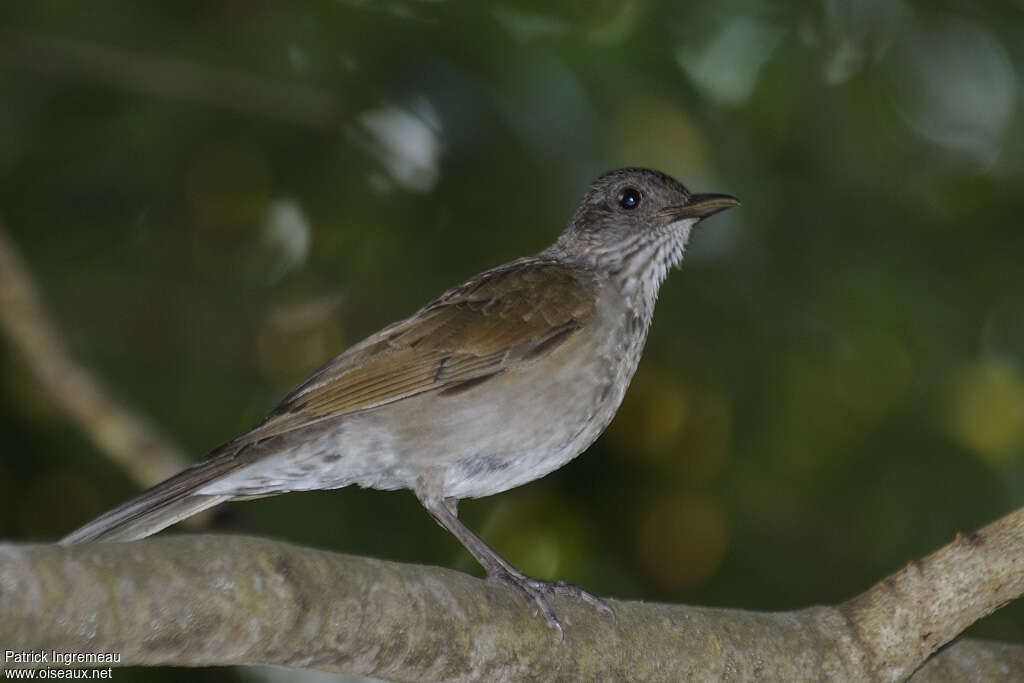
495 383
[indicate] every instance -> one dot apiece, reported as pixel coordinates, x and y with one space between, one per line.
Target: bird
495 383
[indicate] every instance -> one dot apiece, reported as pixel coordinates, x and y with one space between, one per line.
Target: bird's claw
536 592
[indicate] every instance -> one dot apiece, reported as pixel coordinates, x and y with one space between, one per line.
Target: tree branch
295 103
219 600
124 436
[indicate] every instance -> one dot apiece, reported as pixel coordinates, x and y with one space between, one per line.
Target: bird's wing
499 320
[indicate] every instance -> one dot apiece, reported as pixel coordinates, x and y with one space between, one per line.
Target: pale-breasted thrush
495 383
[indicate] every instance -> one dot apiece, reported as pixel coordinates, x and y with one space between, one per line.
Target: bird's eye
629 198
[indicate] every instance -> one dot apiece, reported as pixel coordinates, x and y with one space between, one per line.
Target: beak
703 205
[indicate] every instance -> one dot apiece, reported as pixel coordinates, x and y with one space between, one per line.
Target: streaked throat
640 264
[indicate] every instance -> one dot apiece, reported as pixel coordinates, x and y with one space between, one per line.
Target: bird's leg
498 569
453 505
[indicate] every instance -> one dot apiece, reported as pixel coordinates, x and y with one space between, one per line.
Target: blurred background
216 197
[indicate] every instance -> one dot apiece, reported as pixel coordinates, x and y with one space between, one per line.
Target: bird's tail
161 506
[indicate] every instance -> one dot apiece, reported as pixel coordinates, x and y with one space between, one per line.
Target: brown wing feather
497 321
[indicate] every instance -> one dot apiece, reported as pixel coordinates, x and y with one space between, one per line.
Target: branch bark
219 600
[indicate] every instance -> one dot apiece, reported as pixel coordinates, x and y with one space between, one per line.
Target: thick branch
910 614
210 600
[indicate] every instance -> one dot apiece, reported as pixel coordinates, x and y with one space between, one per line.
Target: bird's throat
643 263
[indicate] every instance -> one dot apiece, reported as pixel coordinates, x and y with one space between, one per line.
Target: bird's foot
537 592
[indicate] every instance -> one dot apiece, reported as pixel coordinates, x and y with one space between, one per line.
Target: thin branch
125 437
225 88
220 600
